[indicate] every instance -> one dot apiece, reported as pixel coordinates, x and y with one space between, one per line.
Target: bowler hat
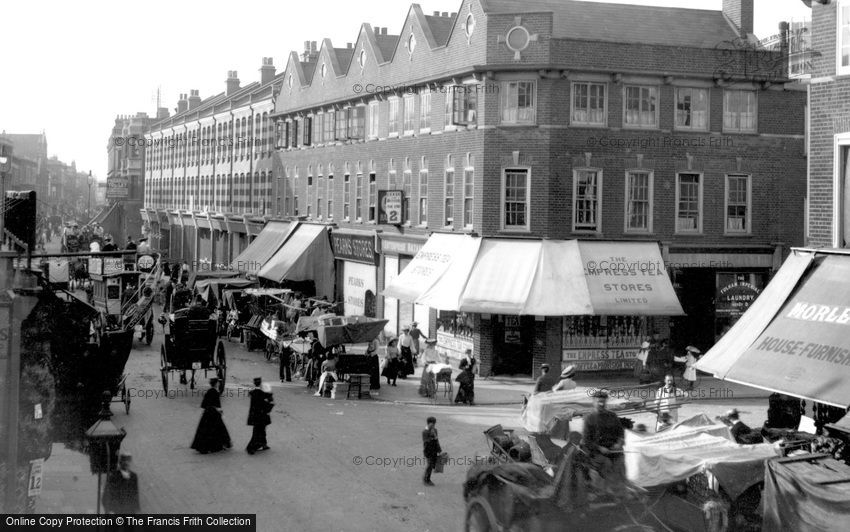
544 366
257 381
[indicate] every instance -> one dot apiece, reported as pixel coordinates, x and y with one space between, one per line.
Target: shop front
715 289
356 272
398 252
793 339
608 292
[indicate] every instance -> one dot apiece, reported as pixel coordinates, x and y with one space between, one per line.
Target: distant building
209 170
125 177
29 157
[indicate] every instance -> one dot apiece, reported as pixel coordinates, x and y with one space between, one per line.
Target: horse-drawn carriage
191 345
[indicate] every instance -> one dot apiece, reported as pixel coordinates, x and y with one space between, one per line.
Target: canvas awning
263 248
214 287
305 256
795 338
444 258
538 277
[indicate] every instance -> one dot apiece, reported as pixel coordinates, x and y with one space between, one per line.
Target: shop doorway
696 289
513 345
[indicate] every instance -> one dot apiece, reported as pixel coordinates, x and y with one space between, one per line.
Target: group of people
212 435
656 356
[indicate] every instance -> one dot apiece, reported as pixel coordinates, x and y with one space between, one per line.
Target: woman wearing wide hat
566 382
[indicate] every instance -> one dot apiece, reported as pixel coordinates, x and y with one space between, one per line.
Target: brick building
29 162
120 216
828 223
551 120
209 171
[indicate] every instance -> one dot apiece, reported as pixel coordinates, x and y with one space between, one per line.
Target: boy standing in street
431 448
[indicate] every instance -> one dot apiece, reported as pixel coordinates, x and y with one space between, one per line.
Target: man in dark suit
544 382
603 441
431 448
121 495
258 415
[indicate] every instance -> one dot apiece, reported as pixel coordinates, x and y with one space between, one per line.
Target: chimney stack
348 45
377 30
194 99
267 71
384 30
313 48
436 13
182 104
232 82
161 113
741 14
445 13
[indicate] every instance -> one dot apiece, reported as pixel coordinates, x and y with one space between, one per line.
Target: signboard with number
34 484
391 203
146 263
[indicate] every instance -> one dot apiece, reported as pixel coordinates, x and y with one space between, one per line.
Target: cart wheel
125 398
163 368
221 365
477 519
149 333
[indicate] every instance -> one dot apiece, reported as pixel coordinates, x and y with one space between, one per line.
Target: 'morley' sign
358 248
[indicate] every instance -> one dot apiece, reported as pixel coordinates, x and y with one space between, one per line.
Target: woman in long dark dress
212 435
374 365
466 381
391 369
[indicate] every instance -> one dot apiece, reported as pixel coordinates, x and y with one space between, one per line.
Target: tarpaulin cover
215 286
686 450
806 497
263 248
306 256
805 350
197 276
335 330
542 408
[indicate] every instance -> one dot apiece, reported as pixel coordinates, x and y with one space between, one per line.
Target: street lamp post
91 182
104 440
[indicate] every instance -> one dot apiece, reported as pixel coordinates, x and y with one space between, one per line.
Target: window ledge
628 127
737 234
510 125
584 125
689 233
524 230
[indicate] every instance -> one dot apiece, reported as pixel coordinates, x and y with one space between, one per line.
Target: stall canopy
538 277
795 338
214 287
267 243
305 256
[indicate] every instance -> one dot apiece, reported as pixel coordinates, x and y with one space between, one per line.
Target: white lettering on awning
823 313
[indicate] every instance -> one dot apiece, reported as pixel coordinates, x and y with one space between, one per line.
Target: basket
442 460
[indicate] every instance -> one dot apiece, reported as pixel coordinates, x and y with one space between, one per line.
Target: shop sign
34 485
391 203
735 297
117 187
600 355
603 365
452 345
360 289
146 263
106 265
400 247
358 248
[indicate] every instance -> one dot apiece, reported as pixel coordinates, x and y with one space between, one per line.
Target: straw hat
693 349
568 372
645 345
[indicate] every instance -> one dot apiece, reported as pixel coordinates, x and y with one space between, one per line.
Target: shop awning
444 258
104 212
795 338
305 256
538 277
267 243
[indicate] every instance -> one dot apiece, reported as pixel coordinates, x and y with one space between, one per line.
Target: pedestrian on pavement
374 365
415 335
566 382
258 415
286 354
668 397
391 368
466 385
405 342
211 435
121 494
431 448
690 358
544 382
469 360
640 361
